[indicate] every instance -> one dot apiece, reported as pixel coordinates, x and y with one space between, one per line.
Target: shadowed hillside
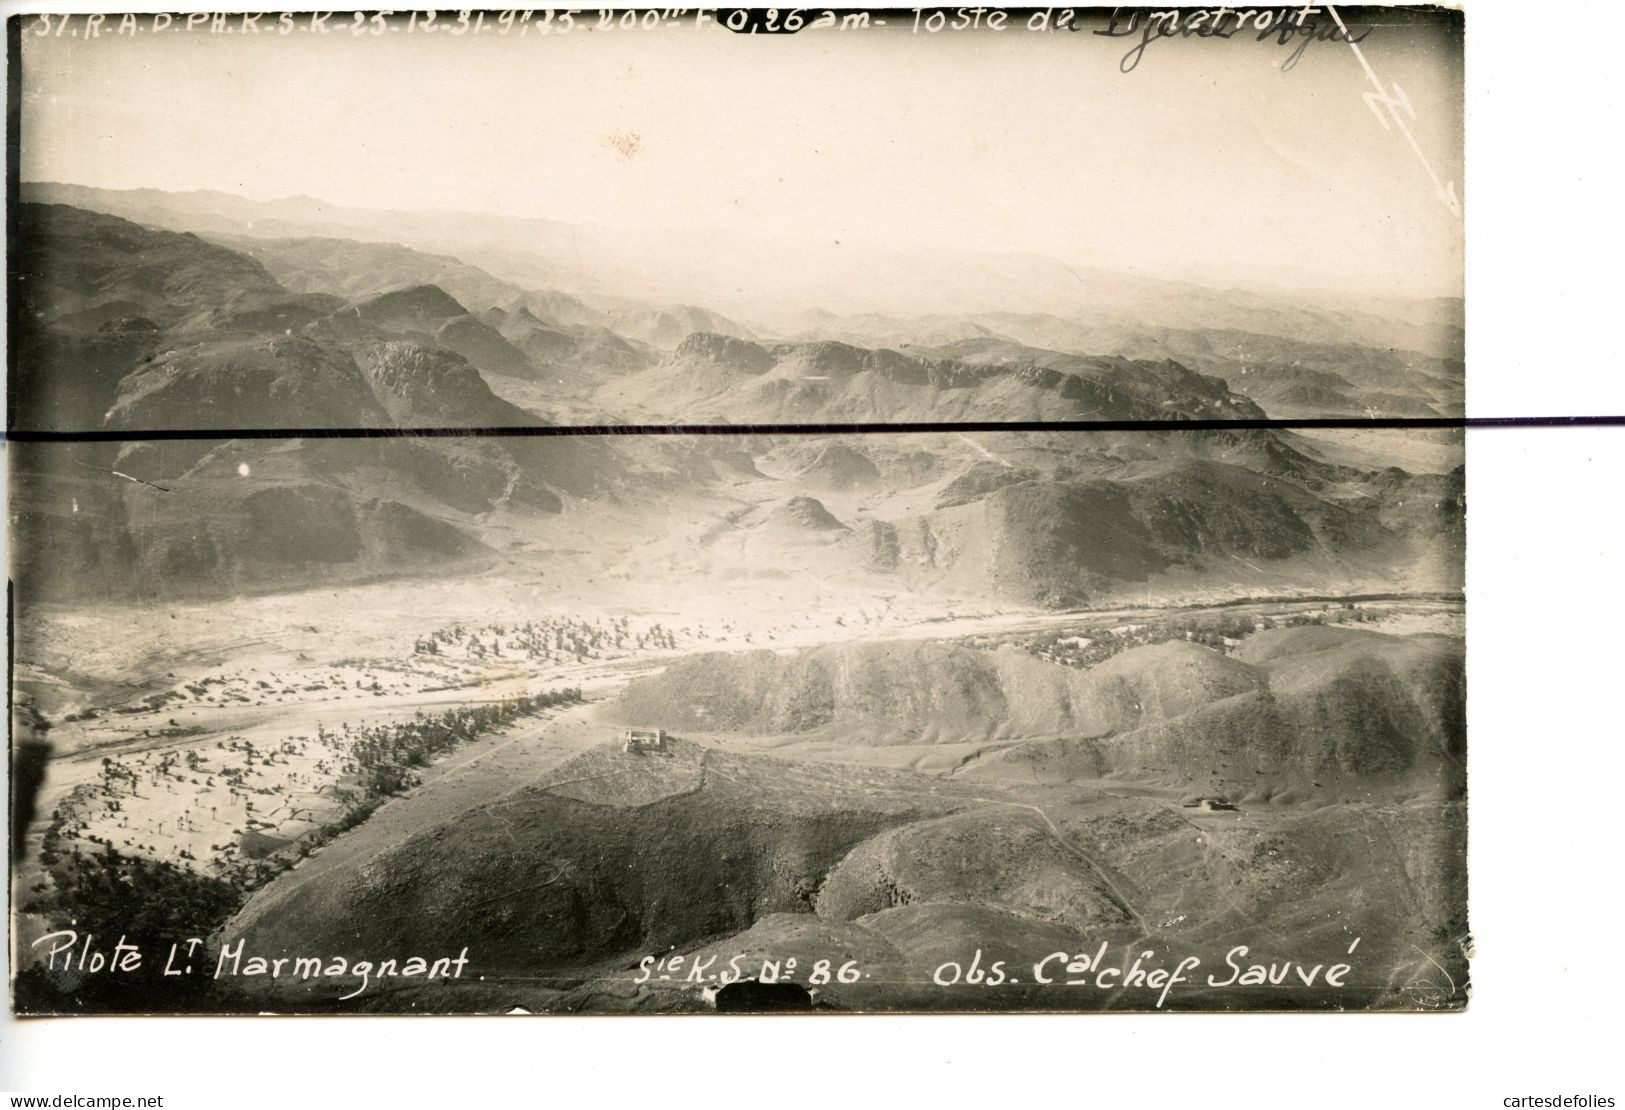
922 692
611 853
1295 710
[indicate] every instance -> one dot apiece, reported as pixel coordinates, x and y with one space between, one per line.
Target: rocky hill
668 326
95 296
1294 710
577 358
78 270
1329 711
428 314
1059 538
283 381
422 386
839 467
920 692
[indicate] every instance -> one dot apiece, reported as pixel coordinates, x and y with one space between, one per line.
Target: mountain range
123 327
924 694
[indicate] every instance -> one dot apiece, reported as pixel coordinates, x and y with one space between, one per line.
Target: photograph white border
1544 624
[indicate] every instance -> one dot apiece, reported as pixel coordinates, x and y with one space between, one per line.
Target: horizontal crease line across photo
519 431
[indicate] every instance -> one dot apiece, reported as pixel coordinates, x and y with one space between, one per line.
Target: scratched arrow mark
1389 102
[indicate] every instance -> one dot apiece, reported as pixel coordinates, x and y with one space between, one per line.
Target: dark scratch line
549 431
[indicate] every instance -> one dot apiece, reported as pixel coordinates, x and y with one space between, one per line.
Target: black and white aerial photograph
742 510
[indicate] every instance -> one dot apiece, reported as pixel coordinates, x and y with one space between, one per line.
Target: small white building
638 740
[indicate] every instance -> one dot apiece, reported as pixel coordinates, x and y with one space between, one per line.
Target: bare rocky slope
562 888
610 853
1294 711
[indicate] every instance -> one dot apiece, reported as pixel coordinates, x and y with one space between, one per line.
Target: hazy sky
1207 160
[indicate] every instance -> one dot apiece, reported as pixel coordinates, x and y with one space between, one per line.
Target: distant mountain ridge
308 239
777 280
710 377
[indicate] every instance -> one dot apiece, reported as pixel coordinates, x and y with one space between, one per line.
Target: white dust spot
242 469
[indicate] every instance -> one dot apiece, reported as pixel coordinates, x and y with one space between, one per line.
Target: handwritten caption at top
1299 26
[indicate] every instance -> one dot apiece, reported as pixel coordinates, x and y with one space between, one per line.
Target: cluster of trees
385 757
1088 647
111 893
151 904
1348 614
152 901
112 770
550 639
